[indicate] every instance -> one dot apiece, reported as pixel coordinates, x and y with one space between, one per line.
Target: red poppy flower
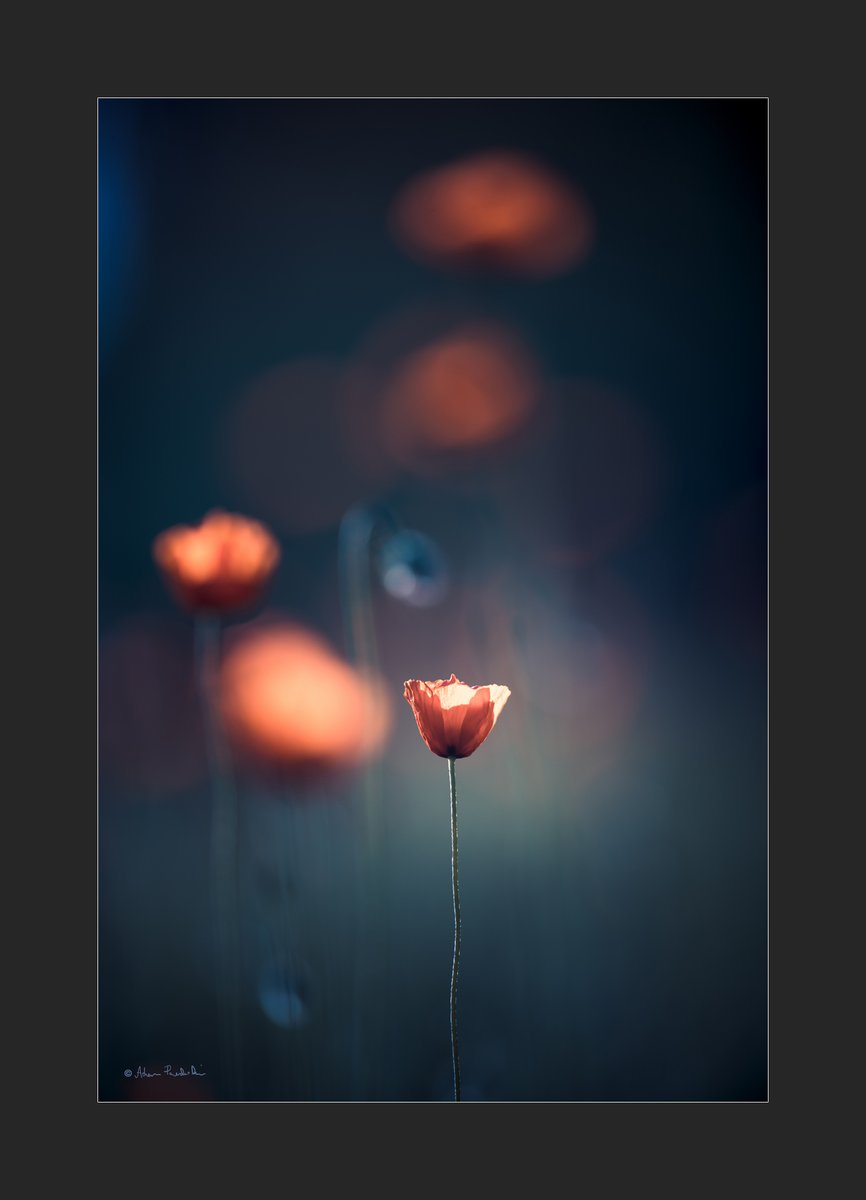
453 717
221 565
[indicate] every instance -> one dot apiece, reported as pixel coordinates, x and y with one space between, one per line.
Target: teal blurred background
265 325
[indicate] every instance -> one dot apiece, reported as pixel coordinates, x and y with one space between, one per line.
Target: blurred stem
224 857
370 969
354 549
455 966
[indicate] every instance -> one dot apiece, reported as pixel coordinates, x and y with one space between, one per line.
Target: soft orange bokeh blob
289 701
497 210
454 718
472 388
221 565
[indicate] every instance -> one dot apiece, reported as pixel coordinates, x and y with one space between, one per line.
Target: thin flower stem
455 1052
224 859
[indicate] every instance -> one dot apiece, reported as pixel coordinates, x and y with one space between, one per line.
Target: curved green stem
455 887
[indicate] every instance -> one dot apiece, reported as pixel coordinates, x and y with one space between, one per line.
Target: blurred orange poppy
221 565
474 387
498 210
454 718
289 701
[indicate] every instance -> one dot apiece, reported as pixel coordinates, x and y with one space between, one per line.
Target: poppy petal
477 722
428 715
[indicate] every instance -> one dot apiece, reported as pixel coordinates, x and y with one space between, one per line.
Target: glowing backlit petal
453 717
